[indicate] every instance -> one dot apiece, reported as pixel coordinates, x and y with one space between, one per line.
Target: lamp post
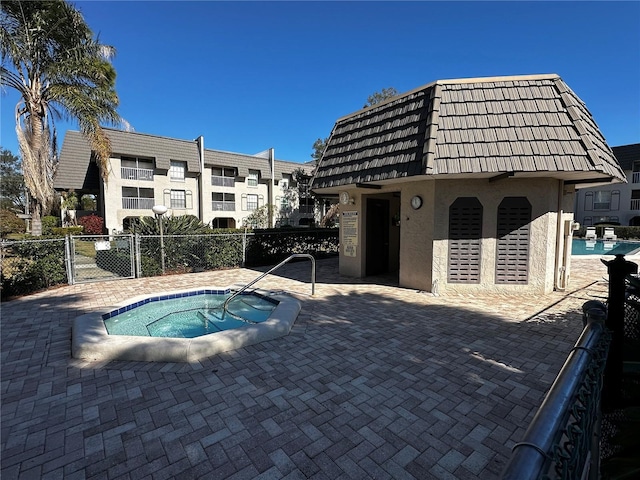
160 210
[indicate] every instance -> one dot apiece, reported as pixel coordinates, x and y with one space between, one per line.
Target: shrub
93 224
49 223
225 252
115 262
150 267
270 246
10 223
34 266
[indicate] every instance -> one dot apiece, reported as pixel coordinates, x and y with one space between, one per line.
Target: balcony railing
133 203
635 204
635 178
223 206
129 173
217 181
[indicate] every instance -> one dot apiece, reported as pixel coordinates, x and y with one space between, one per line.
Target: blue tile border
171 296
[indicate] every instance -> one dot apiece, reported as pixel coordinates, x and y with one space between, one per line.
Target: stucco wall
416 236
240 188
623 210
112 195
423 241
543 196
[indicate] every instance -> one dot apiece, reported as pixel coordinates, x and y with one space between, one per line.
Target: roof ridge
456 81
148 135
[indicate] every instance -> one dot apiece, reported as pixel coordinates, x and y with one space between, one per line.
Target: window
134 198
284 203
178 199
252 179
223 176
133 168
252 202
601 200
284 183
465 234
222 201
176 171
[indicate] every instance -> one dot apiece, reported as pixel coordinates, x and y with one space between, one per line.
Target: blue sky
254 75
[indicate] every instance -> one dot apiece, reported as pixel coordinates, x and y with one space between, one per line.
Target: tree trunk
36 219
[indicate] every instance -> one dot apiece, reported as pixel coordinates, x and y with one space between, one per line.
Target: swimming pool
90 339
189 315
580 246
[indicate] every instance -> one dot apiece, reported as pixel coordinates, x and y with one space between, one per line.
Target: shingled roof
530 125
626 155
244 163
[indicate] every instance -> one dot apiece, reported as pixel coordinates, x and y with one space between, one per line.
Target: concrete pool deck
373 381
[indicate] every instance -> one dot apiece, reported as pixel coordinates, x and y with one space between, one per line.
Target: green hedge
270 246
115 262
32 266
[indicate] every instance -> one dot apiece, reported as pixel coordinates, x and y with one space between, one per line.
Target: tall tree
12 195
318 148
380 96
50 56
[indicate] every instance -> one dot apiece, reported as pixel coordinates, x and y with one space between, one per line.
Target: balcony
217 181
129 173
223 206
635 204
133 203
635 178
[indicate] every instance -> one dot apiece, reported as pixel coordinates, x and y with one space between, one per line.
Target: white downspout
272 159
560 267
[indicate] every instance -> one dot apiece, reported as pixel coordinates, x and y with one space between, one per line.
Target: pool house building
465 185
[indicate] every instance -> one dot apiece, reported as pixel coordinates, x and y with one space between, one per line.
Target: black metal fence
561 441
565 440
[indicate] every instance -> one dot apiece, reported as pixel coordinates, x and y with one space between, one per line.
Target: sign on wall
349 231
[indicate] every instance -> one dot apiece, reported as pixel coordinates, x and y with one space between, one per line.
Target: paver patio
374 381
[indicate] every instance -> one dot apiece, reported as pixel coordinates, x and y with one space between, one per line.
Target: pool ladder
286 260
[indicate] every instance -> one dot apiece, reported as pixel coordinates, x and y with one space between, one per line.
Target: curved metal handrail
295 255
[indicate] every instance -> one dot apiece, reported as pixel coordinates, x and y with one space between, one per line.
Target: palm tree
50 56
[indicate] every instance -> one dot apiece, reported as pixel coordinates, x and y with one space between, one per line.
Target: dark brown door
377 236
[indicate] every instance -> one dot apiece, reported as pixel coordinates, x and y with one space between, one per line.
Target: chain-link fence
188 253
31 265
95 257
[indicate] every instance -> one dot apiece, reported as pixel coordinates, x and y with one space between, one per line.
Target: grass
85 248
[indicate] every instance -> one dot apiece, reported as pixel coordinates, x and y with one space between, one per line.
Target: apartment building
617 203
220 188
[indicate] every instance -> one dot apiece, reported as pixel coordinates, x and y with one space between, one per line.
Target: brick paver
374 381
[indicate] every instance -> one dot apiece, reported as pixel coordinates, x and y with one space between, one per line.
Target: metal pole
161 243
136 244
69 259
618 269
